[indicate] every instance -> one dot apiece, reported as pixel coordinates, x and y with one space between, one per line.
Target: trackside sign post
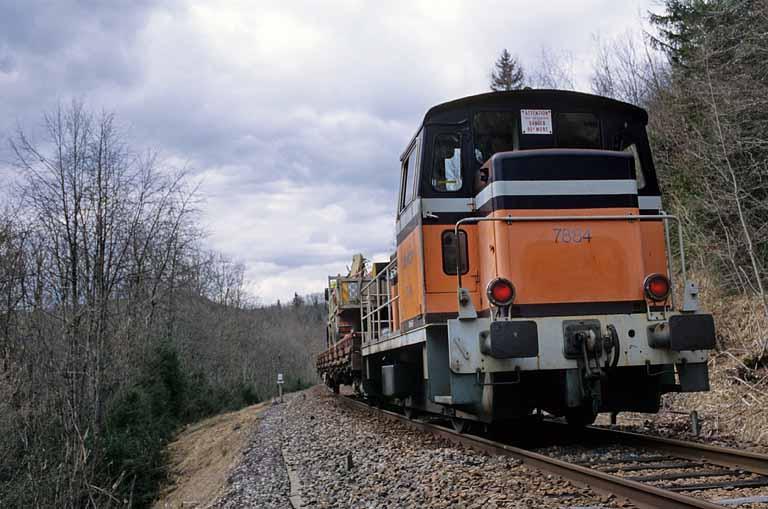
280 386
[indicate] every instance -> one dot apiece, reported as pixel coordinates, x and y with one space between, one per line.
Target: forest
118 325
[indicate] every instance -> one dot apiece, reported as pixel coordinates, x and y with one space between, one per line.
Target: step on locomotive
535 270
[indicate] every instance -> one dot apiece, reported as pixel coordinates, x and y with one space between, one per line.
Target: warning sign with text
536 121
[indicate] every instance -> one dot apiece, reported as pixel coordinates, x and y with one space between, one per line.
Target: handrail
627 217
387 303
383 271
371 312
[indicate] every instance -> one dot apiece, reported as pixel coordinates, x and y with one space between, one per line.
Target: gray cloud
292 114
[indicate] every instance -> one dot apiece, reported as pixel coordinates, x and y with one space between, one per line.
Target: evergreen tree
688 25
508 73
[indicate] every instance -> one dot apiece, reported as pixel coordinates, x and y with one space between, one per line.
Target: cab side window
409 176
446 163
639 175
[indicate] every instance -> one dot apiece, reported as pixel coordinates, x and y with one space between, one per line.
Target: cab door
447 198
410 252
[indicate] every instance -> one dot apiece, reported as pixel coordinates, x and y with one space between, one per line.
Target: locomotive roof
453 111
457 110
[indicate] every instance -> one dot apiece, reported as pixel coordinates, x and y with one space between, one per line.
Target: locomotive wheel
580 417
460 425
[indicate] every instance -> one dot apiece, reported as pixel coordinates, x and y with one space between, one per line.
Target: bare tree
96 212
628 68
554 70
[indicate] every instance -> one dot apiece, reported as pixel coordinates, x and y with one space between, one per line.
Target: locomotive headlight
656 287
500 292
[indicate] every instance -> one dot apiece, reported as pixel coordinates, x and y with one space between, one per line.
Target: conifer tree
507 73
687 25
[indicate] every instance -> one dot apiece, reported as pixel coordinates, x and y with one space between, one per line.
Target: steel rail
642 495
724 456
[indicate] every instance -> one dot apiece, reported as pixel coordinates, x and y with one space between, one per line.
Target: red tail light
656 287
500 292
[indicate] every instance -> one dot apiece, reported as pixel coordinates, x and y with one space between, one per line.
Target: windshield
578 130
494 132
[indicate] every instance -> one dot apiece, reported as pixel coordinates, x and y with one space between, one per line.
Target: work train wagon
534 270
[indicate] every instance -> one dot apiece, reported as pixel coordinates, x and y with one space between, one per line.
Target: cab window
446 165
494 131
578 130
409 176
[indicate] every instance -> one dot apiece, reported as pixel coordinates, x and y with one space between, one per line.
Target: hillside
202 456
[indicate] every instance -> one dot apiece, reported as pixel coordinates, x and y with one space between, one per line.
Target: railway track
650 472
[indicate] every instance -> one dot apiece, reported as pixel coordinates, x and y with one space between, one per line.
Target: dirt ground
203 455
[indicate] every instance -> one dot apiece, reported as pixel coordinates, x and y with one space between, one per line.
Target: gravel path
261 479
348 458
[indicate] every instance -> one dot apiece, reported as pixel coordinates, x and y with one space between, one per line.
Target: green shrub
297 384
248 395
205 398
141 420
134 442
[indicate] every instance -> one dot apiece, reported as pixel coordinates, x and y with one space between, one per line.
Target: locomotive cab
534 267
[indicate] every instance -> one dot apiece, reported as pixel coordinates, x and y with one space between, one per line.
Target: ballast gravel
349 458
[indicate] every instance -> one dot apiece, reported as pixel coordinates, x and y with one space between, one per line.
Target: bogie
460 425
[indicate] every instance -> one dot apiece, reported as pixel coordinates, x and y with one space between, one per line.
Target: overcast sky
292 113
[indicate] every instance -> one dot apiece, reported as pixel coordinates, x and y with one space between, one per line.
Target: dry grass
737 404
203 455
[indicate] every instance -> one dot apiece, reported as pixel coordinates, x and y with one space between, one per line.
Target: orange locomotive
533 268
